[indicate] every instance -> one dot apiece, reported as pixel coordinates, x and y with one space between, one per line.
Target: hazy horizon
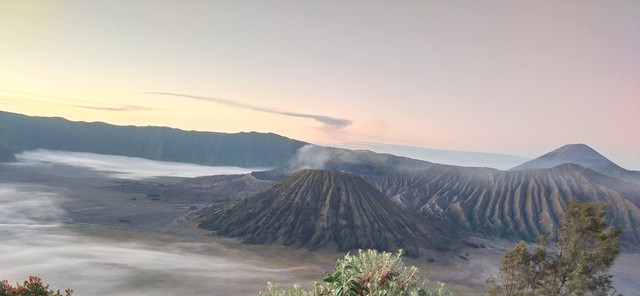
449 157
440 156
503 77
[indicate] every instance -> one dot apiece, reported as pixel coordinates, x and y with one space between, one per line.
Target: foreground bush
367 273
576 265
31 287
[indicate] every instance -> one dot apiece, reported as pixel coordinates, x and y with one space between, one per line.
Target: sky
510 77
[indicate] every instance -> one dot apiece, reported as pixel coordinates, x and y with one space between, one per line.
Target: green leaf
337 274
329 279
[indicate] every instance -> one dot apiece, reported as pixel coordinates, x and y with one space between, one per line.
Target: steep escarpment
323 209
20 132
518 204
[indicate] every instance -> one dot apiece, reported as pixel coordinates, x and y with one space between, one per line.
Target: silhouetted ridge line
21 132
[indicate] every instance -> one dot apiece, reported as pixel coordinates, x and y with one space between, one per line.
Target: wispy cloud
327 120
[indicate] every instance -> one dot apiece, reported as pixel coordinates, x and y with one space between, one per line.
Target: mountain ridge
514 204
248 149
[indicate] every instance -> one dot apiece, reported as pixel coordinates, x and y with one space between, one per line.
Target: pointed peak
577 150
580 154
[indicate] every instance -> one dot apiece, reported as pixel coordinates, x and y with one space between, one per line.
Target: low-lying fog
34 242
37 238
125 167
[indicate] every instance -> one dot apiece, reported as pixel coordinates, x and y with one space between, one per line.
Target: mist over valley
144 226
73 227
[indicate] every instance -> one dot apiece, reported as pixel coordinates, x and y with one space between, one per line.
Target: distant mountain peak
577 151
579 154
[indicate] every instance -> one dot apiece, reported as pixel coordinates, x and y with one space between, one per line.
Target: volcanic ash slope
317 209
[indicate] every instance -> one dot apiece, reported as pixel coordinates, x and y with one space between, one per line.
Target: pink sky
514 77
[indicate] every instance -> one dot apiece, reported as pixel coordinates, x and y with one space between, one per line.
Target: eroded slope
323 209
519 204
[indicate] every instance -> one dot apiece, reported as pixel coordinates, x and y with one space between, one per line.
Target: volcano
318 209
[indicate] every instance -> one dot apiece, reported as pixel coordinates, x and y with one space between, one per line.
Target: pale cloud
327 120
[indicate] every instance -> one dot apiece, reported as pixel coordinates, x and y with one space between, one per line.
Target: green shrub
367 273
